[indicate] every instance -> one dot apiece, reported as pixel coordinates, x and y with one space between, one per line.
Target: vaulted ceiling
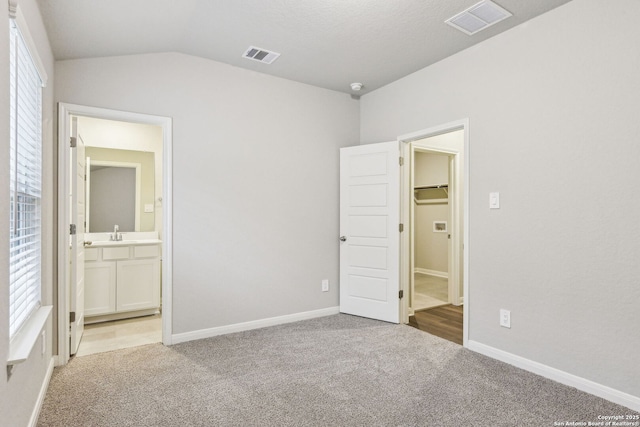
325 43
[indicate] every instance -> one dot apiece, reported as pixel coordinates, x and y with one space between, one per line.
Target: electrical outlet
325 285
505 318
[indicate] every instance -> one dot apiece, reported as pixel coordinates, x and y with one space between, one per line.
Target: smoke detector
356 86
478 17
260 55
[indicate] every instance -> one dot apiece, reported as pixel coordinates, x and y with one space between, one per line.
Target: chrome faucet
116 237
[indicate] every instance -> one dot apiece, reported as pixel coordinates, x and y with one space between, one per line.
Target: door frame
65 111
406 197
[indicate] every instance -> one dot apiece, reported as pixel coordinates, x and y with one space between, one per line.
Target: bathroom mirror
113 196
120 190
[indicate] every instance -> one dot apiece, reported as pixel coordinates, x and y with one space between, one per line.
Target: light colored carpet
429 291
333 371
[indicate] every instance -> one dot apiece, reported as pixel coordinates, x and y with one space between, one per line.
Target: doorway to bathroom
114 204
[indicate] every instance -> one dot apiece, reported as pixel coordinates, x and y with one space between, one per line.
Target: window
25 183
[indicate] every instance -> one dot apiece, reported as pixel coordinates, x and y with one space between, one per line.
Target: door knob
343 238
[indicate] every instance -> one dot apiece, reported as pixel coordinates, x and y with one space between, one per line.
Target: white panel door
76 303
369 231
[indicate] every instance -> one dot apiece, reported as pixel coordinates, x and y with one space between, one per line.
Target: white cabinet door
100 288
369 231
138 284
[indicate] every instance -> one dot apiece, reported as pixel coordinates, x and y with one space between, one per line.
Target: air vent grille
260 55
478 17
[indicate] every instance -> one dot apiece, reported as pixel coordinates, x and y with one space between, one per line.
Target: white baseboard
43 392
255 324
588 386
435 273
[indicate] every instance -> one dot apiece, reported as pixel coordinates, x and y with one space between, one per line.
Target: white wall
553 109
19 393
255 179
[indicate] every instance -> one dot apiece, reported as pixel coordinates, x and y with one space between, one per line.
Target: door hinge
72 316
401 160
400 294
401 228
72 229
73 142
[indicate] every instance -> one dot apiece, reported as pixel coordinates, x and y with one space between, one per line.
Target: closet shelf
431 194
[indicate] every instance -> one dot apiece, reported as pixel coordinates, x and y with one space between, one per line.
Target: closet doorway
433 245
430 231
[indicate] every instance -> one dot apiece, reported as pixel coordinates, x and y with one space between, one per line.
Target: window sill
22 344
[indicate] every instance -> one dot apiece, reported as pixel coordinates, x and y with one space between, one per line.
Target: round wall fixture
356 86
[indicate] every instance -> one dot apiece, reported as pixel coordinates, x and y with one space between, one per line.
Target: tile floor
429 291
117 334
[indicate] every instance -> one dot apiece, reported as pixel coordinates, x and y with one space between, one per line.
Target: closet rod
430 187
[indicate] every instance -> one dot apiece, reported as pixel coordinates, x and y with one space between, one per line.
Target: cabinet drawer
115 253
151 251
91 254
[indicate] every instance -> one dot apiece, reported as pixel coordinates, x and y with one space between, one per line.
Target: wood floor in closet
444 321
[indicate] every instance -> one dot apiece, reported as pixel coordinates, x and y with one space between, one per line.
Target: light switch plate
505 318
494 200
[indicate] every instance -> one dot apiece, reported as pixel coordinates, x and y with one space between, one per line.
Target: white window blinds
25 183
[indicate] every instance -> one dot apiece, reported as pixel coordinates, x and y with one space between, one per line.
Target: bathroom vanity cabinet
121 280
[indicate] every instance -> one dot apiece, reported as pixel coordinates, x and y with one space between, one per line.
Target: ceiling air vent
478 17
260 55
